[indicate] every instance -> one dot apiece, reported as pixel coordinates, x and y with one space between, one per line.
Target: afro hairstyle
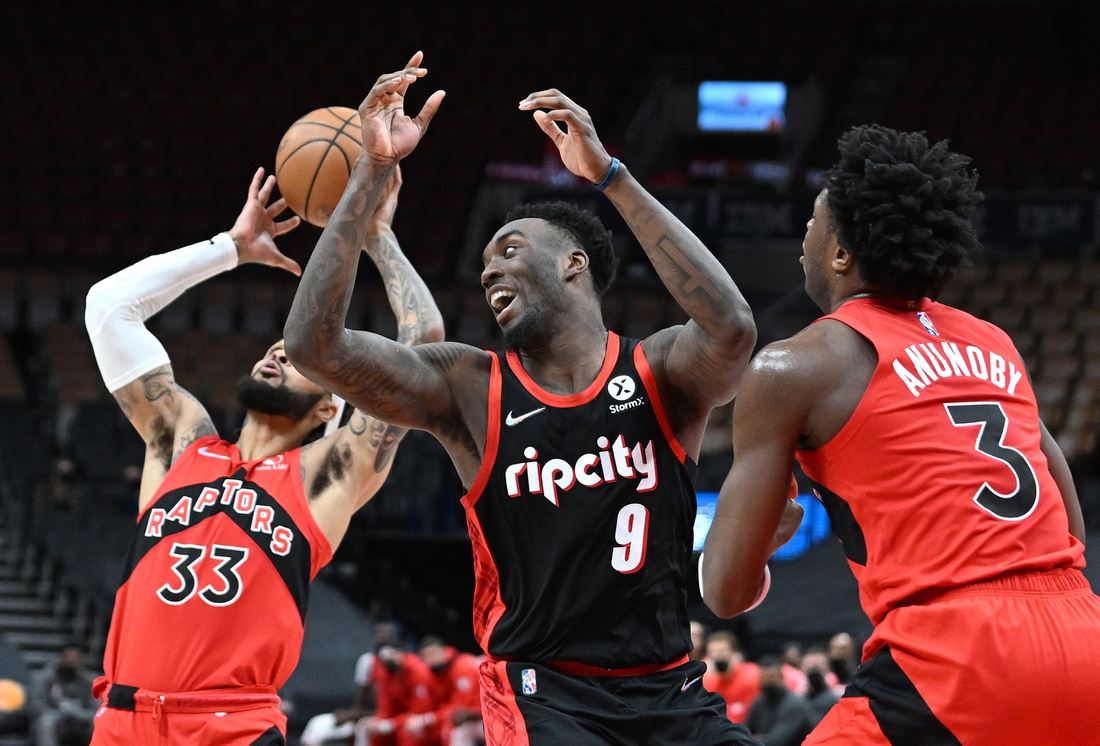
903 208
584 228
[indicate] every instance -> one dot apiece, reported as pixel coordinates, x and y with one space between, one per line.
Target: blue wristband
606 182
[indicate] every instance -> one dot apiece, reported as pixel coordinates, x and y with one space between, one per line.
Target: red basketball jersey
937 480
215 588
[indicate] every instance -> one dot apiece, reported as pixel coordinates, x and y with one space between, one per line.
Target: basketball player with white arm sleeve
208 622
577 446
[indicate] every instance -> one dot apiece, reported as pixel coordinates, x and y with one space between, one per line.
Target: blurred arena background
130 129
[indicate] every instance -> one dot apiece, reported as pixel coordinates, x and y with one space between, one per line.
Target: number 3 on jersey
188 581
993 422
631 532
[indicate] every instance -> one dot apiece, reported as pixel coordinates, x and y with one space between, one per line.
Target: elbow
303 347
726 605
738 333
433 332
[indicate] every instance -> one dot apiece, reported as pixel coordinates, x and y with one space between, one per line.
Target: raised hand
581 150
388 133
788 525
383 216
255 230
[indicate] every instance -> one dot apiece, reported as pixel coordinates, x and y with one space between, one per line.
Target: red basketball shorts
1013 661
132 716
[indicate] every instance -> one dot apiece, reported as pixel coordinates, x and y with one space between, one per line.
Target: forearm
750 507
698 281
418 317
315 329
118 306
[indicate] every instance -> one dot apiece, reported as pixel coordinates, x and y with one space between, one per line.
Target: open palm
388 133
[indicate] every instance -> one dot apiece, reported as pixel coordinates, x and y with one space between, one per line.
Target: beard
538 319
280 401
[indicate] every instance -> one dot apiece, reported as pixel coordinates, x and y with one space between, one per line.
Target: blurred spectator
820 693
698 640
792 669
778 717
64 702
338 727
729 675
455 690
65 489
402 686
842 656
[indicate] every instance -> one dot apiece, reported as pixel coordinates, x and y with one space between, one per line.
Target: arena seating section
131 129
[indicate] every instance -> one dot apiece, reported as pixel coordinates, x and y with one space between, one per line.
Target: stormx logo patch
621 388
530 686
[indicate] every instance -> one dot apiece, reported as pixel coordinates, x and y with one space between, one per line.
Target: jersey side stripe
492 438
650 384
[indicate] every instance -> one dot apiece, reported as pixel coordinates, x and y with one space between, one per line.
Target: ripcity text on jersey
937 480
216 584
581 519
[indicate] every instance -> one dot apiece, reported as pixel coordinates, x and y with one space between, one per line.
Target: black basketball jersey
581 520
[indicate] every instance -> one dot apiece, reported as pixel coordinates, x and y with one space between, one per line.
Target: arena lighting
815 525
731 106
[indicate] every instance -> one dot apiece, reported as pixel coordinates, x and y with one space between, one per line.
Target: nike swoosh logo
687 684
510 420
204 452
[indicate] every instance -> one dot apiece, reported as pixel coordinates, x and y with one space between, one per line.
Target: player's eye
509 250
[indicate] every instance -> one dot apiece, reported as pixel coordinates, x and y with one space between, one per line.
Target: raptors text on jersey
581 519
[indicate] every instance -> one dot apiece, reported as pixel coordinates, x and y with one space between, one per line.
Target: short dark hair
585 228
903 208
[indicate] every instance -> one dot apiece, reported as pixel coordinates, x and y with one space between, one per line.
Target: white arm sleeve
119 305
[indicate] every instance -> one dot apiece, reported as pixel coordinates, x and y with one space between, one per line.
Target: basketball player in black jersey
577 447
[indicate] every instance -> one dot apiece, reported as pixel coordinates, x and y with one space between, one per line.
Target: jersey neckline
611 357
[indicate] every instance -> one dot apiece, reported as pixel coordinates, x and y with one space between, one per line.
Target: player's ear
326 408
842 259
576 262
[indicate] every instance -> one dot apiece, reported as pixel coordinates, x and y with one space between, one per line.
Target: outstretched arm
401 385
703 360
134 365
345 469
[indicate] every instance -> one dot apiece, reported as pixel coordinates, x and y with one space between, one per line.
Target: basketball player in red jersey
918 426
577 447
207 624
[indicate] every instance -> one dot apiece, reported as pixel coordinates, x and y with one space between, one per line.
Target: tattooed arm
439 387
134 365
344 470
700 363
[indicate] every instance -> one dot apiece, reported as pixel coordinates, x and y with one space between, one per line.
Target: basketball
314 161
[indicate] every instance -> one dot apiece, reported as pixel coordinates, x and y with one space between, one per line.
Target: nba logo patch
926 322
529 685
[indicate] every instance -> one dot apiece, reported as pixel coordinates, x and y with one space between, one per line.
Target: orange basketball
314 161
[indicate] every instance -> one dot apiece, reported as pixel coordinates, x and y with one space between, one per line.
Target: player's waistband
581 669
123 697
1059 580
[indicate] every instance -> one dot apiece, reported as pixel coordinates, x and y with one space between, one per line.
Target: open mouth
501 299
270 369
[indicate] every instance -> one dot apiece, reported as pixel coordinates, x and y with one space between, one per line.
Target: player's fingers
416 59
276 207
291 266
254 187
287 225
265 190
568 116
384 85
552 130
550 99
431 106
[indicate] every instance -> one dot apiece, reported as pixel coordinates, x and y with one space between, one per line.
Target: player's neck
264 435
569 359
